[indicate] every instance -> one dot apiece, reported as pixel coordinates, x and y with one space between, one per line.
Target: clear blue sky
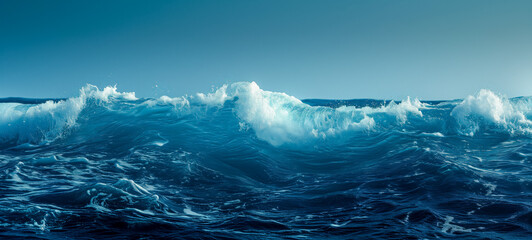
309 49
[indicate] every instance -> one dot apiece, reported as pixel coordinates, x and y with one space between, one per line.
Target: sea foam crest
106 94
279 118
35 123
274 117
487 109
20 123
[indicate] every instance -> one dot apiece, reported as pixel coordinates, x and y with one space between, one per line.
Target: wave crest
487 109
279 118
274 117
28 123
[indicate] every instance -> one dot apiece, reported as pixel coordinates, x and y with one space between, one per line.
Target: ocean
246 163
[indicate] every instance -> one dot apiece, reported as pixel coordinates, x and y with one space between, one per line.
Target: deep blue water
245 163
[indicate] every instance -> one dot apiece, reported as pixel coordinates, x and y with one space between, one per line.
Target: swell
160 177
274 117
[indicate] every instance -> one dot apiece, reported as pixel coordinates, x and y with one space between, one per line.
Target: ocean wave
487 109
277 118
37 123
242 162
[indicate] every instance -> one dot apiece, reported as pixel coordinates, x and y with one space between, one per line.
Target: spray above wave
274 117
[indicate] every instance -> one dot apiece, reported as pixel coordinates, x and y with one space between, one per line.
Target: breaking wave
274 117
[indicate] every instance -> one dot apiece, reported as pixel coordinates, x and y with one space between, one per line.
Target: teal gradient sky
309 49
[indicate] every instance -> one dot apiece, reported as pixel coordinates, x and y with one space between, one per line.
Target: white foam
279 118
488 108
217 98
131 187
448 227
178 102
433 134
35 123
107 94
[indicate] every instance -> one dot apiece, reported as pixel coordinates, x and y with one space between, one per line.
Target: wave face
245 163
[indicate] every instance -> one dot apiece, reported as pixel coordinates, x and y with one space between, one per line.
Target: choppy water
247 163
